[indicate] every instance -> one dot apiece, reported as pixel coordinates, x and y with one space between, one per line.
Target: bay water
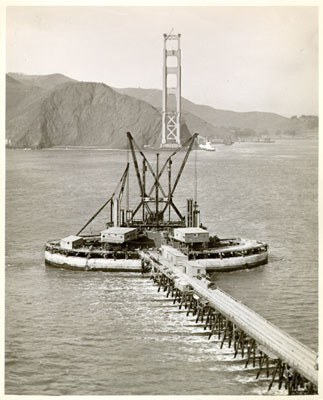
95 333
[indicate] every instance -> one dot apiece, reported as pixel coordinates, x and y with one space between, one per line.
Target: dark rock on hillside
20 96
79 114
55 110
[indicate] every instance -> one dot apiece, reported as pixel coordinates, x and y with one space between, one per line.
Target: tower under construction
171 112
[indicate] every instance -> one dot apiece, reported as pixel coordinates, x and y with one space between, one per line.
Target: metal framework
152 205
114 199
154 201
171 113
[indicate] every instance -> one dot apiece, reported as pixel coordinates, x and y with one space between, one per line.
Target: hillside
222 123
42 81
20 96
76 114
54 110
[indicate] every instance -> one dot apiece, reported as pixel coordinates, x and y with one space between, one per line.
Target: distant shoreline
66 148
99 148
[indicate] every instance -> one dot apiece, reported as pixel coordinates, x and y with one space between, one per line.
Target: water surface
75 333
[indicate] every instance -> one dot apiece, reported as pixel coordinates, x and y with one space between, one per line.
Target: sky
233 58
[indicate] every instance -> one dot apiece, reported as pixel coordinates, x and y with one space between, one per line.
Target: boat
207 146
154 223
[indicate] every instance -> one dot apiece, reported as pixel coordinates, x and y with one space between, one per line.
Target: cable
128 179
195 175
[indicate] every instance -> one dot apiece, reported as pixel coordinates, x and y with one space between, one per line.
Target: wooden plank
278 343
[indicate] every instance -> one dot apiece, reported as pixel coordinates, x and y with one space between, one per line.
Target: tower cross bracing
171 111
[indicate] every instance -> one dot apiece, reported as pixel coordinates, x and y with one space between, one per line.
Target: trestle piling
271 351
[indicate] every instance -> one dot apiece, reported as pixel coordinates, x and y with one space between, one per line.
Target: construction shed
71 242
191 235
195 269
175 256
118 234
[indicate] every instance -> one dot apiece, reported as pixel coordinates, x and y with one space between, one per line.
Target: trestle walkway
286 360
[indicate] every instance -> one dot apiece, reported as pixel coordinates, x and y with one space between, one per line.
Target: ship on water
207 146
155 221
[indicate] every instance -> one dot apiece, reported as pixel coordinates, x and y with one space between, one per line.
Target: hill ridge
50 110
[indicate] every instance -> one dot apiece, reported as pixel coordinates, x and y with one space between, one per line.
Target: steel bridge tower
171 111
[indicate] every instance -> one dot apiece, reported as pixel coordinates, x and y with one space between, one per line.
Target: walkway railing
287 361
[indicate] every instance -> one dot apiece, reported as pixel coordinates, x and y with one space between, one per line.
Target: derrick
155 200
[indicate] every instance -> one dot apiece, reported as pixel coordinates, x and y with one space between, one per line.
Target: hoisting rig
156 205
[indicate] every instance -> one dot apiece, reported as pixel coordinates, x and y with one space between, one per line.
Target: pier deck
272 340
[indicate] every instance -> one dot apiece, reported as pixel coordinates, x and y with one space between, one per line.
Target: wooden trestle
283 359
